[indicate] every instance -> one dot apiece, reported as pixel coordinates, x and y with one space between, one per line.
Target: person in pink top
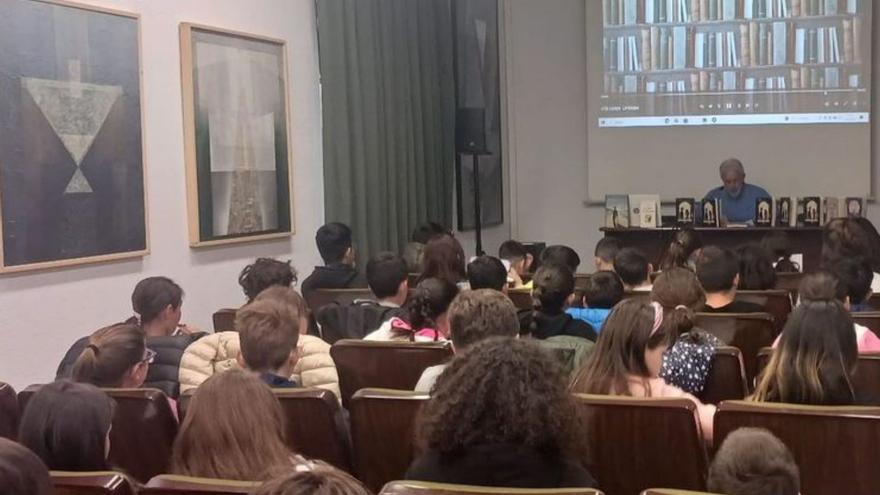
628 356
424 314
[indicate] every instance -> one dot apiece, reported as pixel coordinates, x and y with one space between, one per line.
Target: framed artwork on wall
236 123
71 138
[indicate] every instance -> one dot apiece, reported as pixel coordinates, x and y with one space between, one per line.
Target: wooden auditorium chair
426 488
727 377
776 302
790 282
748 332
319 298
870 319
168 484
521 298
224 320
672 491
92 483
638 443
8 412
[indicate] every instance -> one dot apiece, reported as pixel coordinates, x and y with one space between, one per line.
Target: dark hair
561 255
152 295
501 391
673 289
752 461
821 286
385 272
430 299
854 276
873 256
264 273
607 248
22 472
778 245
322 480
486 272
333 240
846 238
476 315
814 360
268 332
604 289
632 266
755 268
427 231
552 284
443 258
66 425
717 269
684 243
512 250
110 353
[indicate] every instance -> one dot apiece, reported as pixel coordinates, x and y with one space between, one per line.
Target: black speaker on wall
470 131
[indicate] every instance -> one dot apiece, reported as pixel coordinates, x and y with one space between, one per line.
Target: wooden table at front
653 242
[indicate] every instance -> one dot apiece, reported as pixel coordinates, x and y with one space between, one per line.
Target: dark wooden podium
653 242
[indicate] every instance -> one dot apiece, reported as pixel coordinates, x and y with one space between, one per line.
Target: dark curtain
388 95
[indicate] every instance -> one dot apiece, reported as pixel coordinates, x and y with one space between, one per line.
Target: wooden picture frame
73 165
239 189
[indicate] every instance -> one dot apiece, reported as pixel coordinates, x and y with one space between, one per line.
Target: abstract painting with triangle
71 161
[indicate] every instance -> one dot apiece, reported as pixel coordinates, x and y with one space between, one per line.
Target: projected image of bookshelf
739 62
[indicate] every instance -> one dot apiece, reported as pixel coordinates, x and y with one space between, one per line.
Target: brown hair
846 238
673 289
234 429
620 350
323 480
268 332
684 243
476 315
443 258
264 273
22 472
110 353
290 297
752 461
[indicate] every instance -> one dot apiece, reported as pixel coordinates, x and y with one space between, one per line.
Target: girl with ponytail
685 243
424 314
115 357
552 286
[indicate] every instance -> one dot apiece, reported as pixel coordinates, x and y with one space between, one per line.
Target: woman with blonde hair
115 357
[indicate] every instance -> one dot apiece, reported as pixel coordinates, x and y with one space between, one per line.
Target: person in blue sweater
737 197
604 289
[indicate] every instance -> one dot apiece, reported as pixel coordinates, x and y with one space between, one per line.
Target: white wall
42 313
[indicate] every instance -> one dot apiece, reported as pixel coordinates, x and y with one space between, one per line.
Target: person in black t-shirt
718 273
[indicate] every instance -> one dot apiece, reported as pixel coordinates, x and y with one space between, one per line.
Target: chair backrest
224 320
393 365
8 412
870 319
640 434
826 441
168 484
382 428
790 282
91 483
426 488
670 491
318 298
747 332
776 302
727 377
581 280
874 301
522 299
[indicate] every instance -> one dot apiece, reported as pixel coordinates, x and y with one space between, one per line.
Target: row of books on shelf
644 211
628 12
706 81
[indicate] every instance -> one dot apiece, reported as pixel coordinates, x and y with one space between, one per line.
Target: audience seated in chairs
339 272
628 358
115 357
474 316
520 261
500 415
234 429
22 472
718 272
67 425
322 480
634 270
487 272
603 291
553 285
268 332
755 268
560 255
751 461
264 273
424 314
444 259
686 244
414 250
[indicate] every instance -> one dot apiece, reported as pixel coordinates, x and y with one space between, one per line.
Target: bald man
737 197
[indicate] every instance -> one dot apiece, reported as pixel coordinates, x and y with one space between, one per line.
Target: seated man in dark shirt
338 272
268 332
718 273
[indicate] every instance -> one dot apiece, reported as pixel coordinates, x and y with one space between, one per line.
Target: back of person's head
116 356
845 238
153 295
264 273
561 255
427 231
268 332
717 269
430 299
322 480
684 243
512 251
607 248
501 391
334 241
294 302
821 286
632 267
476 315
778 246
22 472
386 272
755 268
873 257
604 289
633 328
234 429
679 292
551 286
487 272
815 359
751 461
66 424
444 258
855 276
